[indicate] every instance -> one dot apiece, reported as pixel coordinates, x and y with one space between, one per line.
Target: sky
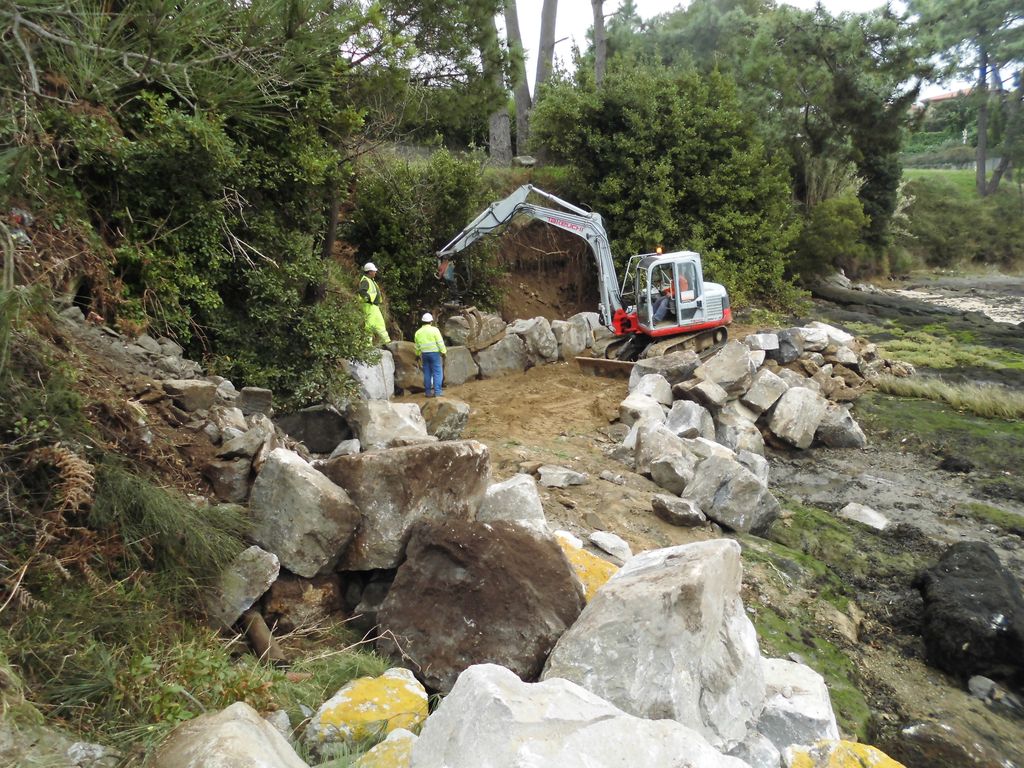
575 18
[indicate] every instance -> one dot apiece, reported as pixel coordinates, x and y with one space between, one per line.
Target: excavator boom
584 224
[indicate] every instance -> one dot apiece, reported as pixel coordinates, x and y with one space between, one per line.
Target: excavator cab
670 287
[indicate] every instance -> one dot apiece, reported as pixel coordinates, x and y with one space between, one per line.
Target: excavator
661 305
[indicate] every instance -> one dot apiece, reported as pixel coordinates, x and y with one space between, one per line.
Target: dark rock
973 615
229 478
319 428
791 346
941 745
956 464
501 594
255 400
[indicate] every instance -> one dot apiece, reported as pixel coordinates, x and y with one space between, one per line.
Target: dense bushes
404 211
831 238
947 227
215 232
670 159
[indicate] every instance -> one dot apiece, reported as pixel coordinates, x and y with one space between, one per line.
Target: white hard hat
369 267
427 317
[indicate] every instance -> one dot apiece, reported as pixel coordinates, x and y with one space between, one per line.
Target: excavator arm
584 224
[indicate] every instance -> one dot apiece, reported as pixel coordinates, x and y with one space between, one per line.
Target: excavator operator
661 308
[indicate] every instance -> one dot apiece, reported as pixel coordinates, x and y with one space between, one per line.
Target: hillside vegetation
217 173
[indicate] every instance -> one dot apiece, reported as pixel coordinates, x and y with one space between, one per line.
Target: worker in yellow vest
369 292
430 348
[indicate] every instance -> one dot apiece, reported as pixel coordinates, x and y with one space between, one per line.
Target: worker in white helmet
430 348
371 296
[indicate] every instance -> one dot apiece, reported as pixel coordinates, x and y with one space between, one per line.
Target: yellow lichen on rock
838 754
369 707
590 569
394 752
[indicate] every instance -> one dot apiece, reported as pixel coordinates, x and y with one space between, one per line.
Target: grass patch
937 347
986 400
960 179
855 555
781 634
163 529
929 427
986 514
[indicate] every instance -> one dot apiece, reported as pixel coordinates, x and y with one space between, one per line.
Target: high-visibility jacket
429 339
368 290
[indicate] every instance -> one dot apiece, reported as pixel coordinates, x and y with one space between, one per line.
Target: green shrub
952 155
832 239
671 159
404 211
948 224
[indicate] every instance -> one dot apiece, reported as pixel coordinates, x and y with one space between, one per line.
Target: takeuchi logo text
564 223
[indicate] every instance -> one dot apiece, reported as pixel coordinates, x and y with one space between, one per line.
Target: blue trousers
433 373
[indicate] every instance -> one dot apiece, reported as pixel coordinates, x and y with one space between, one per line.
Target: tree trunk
520 88
546 49
981 155
1014 118
600 41
500 130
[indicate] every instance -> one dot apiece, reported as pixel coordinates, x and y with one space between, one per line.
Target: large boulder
732 496
673 471
732 368
367 708
408 372
765 390
838 429
236 737
797 416
492 719
738 433
502 595
638 406
791 346
655 385
573 335
705 392
689 419
667 637
541 344
515 500
300 515
320 428
459 367
395 488
380 424
376 381
241 584
973 615
797 707
684 513
191 394
507 356
476 328
445 417
653 440
676 367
